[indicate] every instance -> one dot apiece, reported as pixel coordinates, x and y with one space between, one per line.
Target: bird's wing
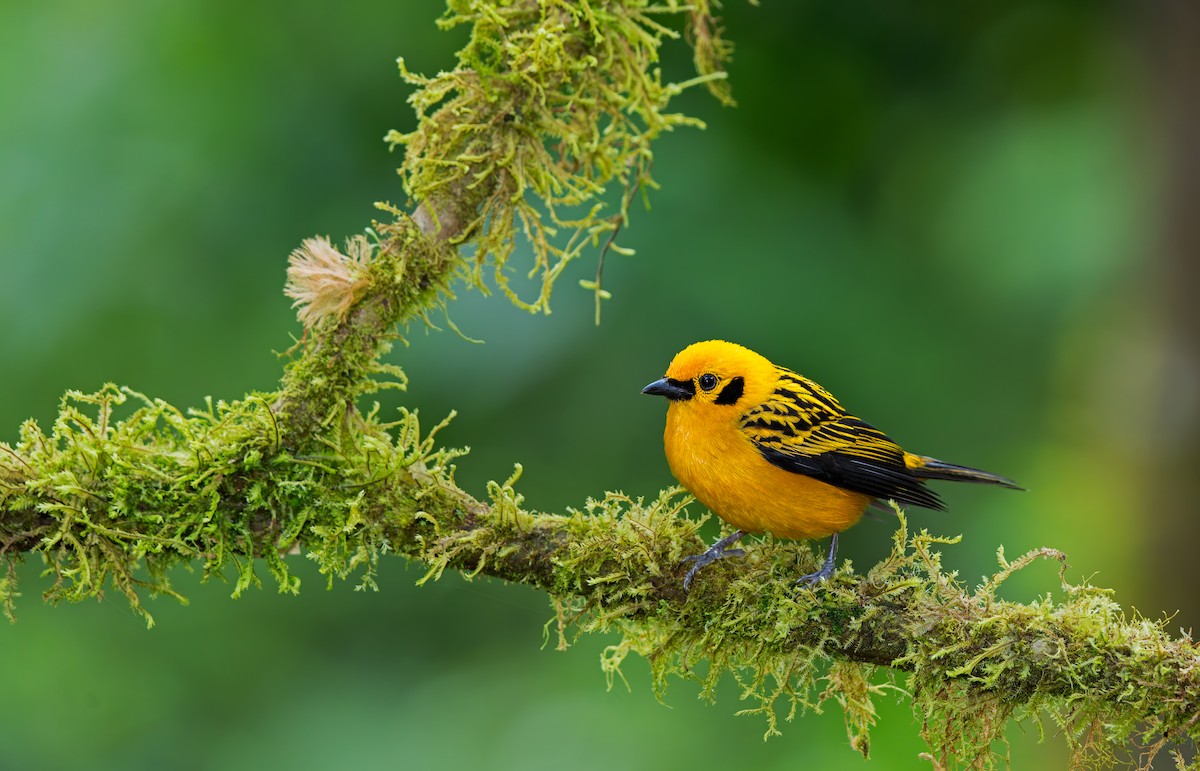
802 428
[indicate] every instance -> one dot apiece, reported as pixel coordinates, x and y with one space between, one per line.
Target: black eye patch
732 391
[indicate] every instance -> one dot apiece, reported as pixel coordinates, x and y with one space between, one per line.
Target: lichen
324 282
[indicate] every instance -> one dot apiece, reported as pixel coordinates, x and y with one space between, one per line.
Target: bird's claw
812 579
707 559
702 559
713 553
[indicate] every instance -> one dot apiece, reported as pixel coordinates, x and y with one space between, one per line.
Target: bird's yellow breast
719 464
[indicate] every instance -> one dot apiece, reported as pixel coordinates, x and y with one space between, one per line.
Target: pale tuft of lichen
325 283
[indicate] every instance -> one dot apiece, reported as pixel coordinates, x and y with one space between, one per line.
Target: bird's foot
812 579
718 550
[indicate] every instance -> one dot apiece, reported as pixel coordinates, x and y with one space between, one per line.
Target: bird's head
716 373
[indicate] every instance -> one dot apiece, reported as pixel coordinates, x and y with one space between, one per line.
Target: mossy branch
100 496
551 102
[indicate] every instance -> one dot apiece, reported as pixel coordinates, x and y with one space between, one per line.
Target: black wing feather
801 428
870 477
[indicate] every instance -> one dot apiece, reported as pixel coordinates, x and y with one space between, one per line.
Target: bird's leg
715 552
826 570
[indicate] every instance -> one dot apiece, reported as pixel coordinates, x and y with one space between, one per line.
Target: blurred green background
968 222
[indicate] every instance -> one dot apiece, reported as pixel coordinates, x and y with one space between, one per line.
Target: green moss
110 499
111 502
563 99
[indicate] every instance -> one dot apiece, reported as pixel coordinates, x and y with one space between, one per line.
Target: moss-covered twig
551 102
100 495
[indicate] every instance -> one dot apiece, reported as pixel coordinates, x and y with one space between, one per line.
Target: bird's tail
925 467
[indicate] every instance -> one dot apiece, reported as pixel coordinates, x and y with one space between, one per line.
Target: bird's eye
708 381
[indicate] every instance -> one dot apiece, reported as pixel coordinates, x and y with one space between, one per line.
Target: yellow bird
768 450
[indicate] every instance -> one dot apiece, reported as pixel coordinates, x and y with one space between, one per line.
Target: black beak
675 390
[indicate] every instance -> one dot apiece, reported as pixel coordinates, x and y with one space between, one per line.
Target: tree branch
973 659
